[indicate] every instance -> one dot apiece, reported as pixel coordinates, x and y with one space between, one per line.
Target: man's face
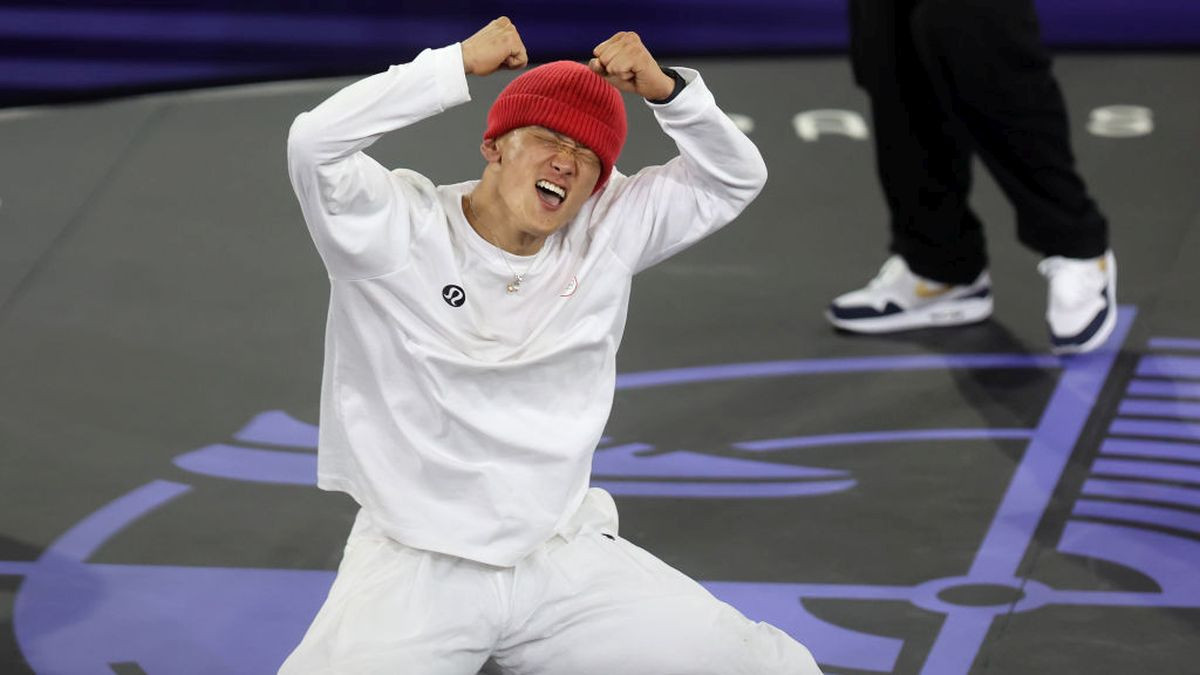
544 177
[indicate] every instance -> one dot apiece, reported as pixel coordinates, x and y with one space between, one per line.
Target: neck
487 218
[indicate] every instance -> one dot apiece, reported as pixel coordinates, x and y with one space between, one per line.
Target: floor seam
73 222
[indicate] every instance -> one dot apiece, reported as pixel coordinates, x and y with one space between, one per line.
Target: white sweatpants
585 602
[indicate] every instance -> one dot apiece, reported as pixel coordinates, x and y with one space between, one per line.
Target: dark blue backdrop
63 49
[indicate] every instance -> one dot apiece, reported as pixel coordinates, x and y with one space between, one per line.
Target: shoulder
413 180
416 189
609 199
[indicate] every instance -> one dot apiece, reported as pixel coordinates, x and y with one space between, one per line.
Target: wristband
680 83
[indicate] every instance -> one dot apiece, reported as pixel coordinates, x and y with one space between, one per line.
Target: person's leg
598 605
924 167
394 609
937 276
989 66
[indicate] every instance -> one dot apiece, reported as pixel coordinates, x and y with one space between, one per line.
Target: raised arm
357 211
664 209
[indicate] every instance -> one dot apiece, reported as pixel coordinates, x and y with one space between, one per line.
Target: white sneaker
1081 310
896 300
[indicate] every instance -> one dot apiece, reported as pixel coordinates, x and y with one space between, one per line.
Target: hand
625 62
496 45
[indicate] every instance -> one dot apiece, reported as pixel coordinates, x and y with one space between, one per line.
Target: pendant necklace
513 286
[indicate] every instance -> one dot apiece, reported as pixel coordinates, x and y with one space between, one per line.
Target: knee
743 646
777 652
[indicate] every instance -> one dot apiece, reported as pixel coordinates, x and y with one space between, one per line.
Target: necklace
513 286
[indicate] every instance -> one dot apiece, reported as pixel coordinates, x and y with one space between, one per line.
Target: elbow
302 138
758 174
751 179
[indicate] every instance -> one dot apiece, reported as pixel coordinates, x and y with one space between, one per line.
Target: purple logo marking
72 616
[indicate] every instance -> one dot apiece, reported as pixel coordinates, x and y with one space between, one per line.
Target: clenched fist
496 45
625 62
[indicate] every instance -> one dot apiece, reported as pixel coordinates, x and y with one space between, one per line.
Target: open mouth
552 195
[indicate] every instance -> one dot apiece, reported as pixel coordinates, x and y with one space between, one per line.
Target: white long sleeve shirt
468 428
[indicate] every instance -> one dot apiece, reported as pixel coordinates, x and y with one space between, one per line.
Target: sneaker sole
943 314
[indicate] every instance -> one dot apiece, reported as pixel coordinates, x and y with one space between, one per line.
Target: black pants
951 78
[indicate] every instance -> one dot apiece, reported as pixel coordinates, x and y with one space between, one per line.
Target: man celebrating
470 367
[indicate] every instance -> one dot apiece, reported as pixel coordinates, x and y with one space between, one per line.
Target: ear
490 150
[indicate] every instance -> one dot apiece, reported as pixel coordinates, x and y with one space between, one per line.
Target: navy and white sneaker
1081 310
896 300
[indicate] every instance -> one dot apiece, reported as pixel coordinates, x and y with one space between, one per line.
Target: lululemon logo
454 295
570 288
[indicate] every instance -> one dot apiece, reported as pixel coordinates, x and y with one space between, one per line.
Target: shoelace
892 268
1072 281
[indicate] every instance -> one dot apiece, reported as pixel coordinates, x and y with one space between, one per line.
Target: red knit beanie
569 98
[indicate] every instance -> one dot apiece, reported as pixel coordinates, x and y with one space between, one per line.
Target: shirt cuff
691 98
680 83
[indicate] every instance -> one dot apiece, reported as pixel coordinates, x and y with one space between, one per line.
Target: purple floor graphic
1137 510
